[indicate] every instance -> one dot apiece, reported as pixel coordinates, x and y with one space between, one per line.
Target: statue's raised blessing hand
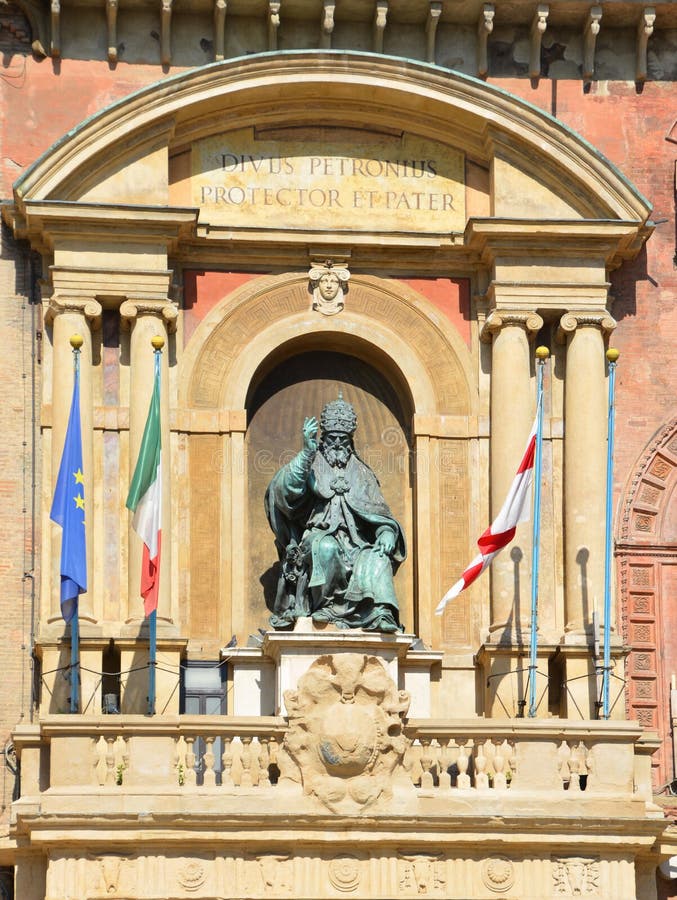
310 434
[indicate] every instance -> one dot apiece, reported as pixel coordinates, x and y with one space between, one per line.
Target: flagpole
612 357
157 343
76 343
542 353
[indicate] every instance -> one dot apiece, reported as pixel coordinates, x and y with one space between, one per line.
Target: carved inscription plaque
339 180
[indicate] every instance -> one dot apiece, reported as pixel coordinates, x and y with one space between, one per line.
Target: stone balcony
125 765
212 807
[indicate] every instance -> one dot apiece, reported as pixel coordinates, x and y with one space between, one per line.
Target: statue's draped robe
326 520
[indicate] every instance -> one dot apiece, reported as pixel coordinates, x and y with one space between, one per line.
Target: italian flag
145 500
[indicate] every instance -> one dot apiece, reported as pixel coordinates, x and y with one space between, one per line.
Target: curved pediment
515 160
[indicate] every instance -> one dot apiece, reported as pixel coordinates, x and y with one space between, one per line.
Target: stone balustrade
235 753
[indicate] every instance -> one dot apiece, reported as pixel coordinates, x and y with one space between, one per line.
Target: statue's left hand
385 542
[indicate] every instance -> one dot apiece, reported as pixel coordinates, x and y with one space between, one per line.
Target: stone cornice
611 241
46 222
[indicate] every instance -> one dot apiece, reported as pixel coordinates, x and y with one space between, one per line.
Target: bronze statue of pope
339 544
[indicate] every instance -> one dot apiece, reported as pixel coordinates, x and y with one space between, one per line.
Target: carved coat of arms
345 735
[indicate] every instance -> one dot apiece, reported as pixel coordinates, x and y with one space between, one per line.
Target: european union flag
68 511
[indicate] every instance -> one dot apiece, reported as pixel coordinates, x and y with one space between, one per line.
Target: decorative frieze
404 872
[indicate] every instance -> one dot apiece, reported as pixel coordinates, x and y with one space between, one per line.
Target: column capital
498 319
570 321
164 309
88 307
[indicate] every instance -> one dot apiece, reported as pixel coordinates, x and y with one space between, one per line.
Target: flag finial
612 354
542 353
157 342
77 341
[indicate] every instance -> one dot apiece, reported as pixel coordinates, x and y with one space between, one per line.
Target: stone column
585 436
69 316
145 319
512 412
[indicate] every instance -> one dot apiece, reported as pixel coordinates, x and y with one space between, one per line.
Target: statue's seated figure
336 537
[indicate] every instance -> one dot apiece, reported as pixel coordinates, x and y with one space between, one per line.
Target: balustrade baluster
180 759
426 763
100 766
191 775
481 777
110 760
208 760
445 777
246 780
564 755
512 758
264 762
463 781
500 780
227 763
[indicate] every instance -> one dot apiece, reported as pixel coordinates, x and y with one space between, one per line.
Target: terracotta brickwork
16 475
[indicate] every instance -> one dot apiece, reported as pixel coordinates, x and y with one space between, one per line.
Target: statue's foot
322 615
386 624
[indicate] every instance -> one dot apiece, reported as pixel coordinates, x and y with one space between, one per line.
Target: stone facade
183 188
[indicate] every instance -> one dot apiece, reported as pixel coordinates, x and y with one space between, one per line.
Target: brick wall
16 475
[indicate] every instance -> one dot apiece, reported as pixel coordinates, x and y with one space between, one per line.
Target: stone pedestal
253 679
260 677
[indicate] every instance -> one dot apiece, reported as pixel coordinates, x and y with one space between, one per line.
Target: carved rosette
191 876
345 735
498 873
344 872
329 285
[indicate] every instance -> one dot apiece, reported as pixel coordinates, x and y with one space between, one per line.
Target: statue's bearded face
336 447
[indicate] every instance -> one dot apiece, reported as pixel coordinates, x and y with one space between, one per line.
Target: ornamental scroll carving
345 735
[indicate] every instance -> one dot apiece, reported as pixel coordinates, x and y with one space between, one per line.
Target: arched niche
647 555
297 383
410 375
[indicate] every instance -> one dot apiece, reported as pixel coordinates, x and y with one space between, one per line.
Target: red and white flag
145 501
516 509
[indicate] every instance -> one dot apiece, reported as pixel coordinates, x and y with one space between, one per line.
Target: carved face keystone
329 286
